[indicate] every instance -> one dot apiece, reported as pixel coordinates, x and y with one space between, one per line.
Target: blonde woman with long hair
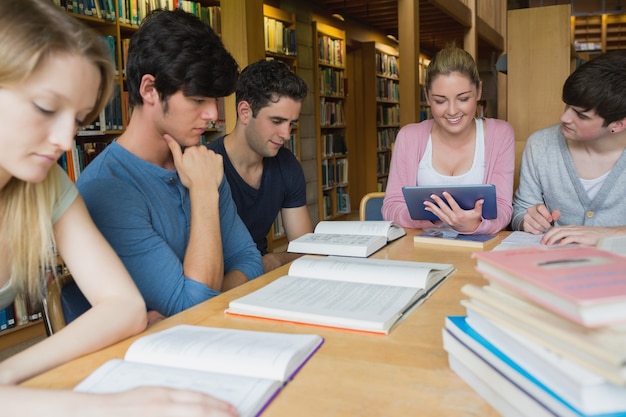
55 75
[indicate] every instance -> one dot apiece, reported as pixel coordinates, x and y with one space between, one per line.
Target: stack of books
547 335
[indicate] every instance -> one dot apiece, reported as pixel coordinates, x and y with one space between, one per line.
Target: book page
615 244
326 302
335 244
248 395
379 228
245 352
369 271
519 239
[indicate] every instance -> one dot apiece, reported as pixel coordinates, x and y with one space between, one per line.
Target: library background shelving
598 33
381 108
279 29
330 96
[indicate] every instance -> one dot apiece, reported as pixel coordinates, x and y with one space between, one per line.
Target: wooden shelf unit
331 126
21 333
381 114
280 44
598 33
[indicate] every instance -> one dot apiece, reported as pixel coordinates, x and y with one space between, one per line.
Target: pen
543 198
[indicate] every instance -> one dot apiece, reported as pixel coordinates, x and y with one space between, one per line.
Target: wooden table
405 373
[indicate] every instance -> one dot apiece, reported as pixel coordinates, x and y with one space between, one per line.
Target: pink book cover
584 277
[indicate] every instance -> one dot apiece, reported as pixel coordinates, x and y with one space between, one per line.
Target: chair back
53 315
371 206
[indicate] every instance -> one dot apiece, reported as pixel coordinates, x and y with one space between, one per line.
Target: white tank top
593 186
427 175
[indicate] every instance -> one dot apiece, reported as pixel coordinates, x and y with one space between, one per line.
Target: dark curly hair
265 81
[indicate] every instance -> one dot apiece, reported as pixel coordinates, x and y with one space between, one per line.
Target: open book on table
351 293
347 238
245 368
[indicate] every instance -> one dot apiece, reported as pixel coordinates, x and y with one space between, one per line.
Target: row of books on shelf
109 40
331 113
334 174
342 200
101 9
331 82
386 65
111 118
278 38
386 137
330 51
278 229
381 185
333 144
383 160
387 115
132 12
292 143
19 313
76 159
387 90
547 335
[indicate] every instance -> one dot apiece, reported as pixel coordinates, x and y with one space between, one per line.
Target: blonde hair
452 59
32 32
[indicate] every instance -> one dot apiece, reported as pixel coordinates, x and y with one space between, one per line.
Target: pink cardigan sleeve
408 150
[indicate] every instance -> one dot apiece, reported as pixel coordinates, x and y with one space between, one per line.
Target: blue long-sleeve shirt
144 212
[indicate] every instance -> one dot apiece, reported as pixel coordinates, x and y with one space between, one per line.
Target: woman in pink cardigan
454 147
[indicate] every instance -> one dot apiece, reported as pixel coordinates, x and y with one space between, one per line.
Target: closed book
602 350
460 240
583 389
369 295
584 284
347 238
510 380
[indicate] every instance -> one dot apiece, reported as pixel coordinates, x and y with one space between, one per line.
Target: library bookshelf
381 106
330 96
279 28
598 33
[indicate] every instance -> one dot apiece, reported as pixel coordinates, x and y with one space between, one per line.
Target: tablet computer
465 195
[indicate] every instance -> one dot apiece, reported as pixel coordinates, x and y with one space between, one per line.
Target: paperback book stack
547 335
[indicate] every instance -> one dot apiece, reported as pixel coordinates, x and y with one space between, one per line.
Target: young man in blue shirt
264 176
160 200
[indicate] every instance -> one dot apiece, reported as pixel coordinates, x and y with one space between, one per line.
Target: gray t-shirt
68 194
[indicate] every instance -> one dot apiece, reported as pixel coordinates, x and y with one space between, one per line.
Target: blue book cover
466 335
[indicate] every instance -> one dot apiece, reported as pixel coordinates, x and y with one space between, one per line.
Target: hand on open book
163 402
